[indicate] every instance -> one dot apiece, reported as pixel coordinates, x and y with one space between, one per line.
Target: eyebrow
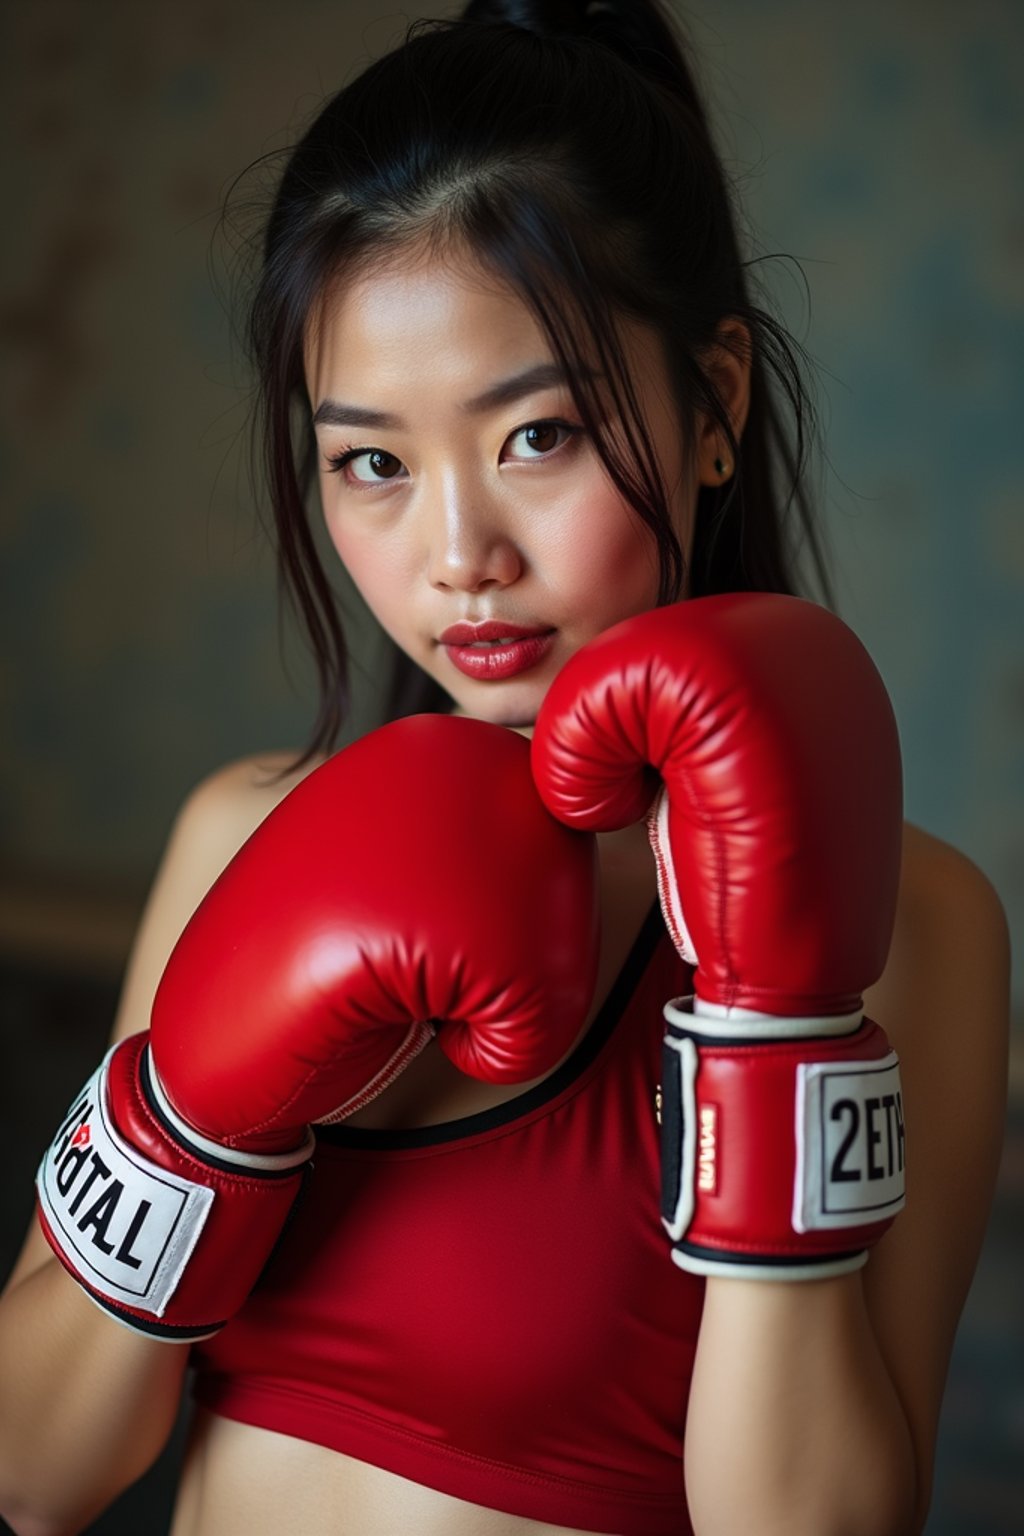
336 413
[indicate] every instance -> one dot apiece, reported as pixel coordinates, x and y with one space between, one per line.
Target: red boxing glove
777 835
412 885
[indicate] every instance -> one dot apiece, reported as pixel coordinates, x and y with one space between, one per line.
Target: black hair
565 144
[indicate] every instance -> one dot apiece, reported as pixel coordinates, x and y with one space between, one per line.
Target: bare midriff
242 1481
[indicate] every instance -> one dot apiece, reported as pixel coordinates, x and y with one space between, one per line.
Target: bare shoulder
214 820
943 1000
217 817
949 882
229 804
950 938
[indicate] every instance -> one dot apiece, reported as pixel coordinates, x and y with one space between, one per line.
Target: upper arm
213 822
943 999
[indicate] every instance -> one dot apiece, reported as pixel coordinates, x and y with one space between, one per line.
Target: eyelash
338 461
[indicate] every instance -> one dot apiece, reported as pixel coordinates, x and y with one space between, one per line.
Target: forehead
422 330
413 308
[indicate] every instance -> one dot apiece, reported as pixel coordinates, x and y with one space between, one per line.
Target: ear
728 362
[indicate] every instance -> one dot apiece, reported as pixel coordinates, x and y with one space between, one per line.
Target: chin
513 716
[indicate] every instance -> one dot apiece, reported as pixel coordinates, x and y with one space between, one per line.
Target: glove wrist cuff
168 1241
782 1157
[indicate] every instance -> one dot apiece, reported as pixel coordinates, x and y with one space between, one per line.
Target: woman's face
473 499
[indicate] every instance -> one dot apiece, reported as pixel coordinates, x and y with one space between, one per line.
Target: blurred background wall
879 145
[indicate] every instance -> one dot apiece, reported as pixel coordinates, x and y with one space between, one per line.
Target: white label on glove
124 1224
850 1146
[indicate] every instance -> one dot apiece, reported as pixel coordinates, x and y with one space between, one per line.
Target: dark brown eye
378 459
379 462
543 436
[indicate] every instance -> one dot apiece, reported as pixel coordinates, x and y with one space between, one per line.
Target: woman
502 281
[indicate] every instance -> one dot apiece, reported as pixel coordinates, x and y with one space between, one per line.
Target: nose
470 547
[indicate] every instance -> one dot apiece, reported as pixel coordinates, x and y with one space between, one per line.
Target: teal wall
879 144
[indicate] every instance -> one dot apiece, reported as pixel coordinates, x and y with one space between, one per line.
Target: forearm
794 1426
86 1405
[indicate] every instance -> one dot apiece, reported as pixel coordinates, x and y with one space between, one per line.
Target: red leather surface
776 740
416 875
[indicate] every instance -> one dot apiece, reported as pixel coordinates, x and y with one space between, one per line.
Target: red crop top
488 1306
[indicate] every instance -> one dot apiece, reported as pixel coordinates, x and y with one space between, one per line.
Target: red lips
492 663
493 629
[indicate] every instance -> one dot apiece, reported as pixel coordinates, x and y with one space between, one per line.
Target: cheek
372 567
610 560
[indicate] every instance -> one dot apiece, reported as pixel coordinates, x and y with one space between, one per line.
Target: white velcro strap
125 1225
719 1021
850 1144
811 1269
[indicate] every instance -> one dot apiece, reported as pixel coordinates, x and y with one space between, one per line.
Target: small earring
721 468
